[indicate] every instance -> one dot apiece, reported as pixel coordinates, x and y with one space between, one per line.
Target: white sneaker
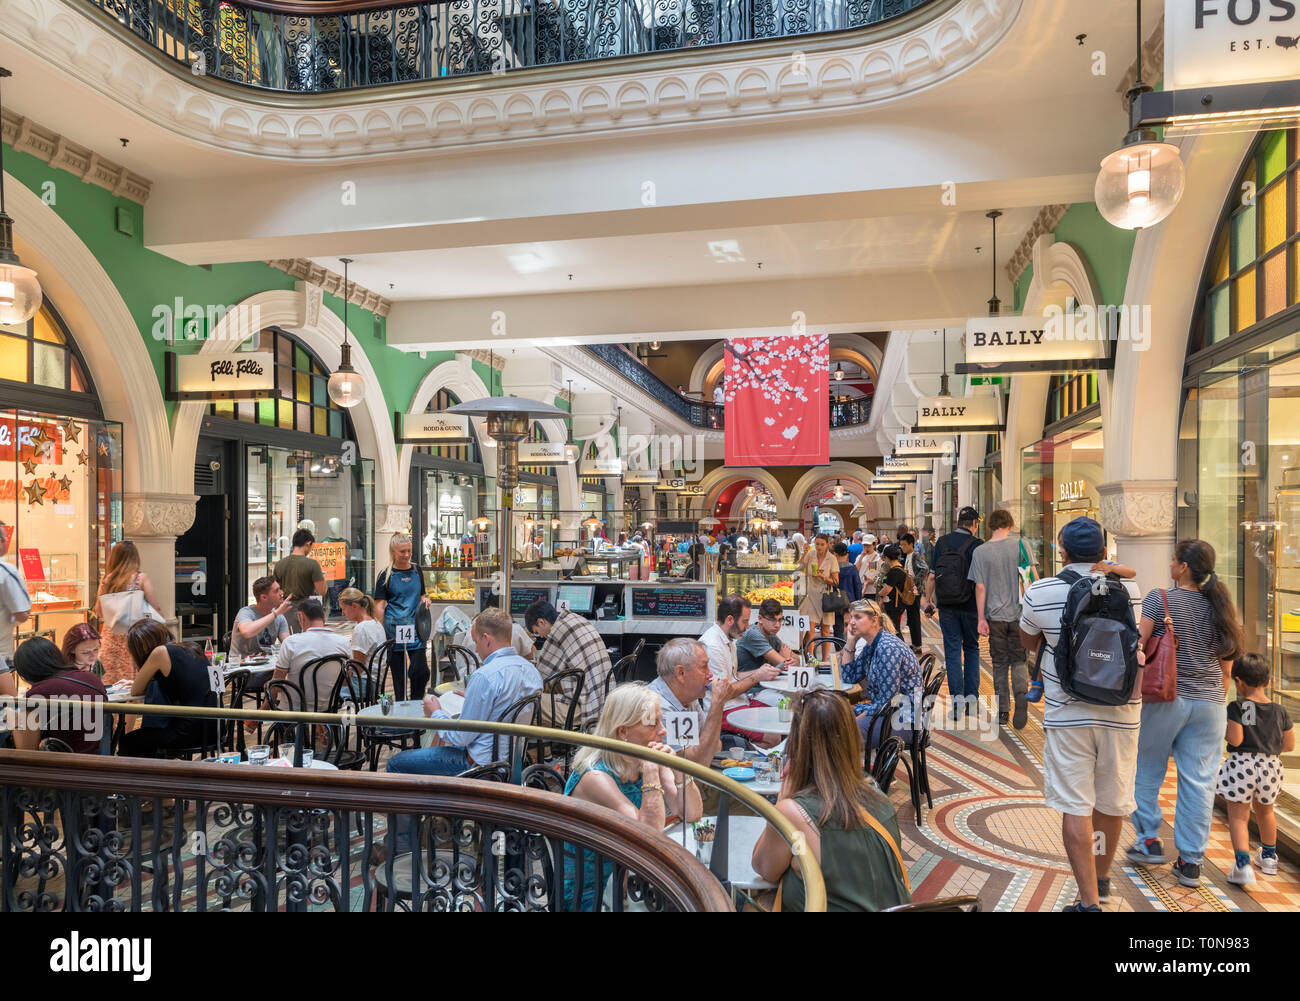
1268 866
1242 875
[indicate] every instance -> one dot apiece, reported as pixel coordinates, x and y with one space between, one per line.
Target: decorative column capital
1139 508
157 515
392 518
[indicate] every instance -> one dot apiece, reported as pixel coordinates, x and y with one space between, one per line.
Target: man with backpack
1082 626
949 587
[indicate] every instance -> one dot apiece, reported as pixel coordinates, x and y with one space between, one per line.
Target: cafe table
732 860
765 720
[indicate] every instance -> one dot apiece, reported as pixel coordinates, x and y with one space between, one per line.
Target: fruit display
782 592
453 594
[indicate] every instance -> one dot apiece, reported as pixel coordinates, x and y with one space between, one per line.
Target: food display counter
759 583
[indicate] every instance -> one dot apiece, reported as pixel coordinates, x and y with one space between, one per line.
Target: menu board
670 602
522 597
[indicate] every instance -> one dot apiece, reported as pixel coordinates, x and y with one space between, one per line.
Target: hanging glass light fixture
1141 183
839 372
20 292
346 387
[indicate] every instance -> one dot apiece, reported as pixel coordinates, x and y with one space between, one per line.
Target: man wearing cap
948 585
1089 751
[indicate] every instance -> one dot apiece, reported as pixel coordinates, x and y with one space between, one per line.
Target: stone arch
717 480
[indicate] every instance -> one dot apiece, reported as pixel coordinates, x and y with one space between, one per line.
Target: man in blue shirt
855 547
503 680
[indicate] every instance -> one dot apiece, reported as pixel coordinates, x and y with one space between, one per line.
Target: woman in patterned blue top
886 667
640 790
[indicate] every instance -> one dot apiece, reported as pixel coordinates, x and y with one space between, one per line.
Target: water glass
259 754
764 770
286 753
307 756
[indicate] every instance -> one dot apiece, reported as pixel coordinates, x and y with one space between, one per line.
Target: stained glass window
38 353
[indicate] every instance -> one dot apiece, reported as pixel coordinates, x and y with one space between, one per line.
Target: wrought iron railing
102 833
698 413
286 46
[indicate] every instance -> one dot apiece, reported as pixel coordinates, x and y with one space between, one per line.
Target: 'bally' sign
959 414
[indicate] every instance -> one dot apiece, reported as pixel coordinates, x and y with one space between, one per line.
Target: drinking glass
307 756
259 754
286 753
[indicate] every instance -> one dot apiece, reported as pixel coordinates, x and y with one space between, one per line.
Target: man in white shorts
1089 751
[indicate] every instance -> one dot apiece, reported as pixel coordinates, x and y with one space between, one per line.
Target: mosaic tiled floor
990 833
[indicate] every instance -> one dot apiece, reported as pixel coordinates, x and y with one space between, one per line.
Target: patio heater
508 418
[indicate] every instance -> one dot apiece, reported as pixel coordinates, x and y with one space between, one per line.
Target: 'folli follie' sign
959 414
244 375
1058 342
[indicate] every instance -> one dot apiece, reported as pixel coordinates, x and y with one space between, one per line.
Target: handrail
810 870
308 46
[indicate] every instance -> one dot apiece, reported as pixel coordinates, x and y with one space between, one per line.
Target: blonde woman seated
640 790
827 798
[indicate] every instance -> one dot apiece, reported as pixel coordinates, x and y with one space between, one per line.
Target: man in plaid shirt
571 642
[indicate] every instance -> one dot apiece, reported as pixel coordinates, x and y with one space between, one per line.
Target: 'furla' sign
1217 42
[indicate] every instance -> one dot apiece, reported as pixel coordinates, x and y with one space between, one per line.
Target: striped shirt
1041 615
1199 674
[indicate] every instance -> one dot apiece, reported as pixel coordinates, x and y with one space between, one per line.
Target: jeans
913 616
439 760
961 636
1192 730
1008 656
409 662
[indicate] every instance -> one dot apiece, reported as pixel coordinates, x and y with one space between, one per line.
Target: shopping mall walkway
990 833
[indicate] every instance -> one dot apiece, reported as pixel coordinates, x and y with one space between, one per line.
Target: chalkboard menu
522 597
670 602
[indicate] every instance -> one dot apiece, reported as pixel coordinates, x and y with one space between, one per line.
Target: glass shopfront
60 473
1059 478
264 469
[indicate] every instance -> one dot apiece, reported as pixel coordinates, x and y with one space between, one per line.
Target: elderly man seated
503 680
885 666
684 678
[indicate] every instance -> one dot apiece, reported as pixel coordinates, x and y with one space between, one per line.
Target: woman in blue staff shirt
399 595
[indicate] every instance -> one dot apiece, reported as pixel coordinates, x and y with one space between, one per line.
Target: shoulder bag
1160 678
1026 570
119 610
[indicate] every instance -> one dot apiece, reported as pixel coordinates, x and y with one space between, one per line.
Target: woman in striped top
1191 726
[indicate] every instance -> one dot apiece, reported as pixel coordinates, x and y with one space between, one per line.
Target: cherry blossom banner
776 407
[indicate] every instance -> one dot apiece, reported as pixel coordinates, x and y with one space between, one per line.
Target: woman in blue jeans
1191 727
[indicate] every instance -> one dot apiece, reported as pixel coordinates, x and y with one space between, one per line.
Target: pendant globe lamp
20 292
1141 183
346 387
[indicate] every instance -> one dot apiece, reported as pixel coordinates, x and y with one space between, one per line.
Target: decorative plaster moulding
682 88
332 282
26 136
1045 223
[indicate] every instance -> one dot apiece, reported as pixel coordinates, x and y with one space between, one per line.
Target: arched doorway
60 473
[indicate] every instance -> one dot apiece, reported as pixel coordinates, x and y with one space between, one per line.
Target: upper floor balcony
307 46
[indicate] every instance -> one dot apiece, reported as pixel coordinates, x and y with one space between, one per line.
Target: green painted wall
146 279
1107 250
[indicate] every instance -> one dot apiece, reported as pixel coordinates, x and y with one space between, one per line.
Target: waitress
400 593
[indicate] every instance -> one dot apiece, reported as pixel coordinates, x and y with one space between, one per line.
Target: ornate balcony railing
292 45
696 412
102 833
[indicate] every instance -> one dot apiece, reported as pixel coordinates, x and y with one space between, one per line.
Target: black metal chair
374 739
345 748
463 661
820 643
232 731
554 695
54 744
929 664
527 712
493 771
620 672
880 729
886 763
543 777
944 905
918 770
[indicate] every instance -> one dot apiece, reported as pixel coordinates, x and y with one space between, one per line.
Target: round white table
759 721
410 709
743 833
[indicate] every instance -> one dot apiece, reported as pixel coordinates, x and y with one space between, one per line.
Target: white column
1141 515
154 522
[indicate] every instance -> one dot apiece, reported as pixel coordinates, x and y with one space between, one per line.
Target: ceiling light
20 292
346 387
839 372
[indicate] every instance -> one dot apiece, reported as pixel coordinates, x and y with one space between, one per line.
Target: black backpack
951 570
1096 654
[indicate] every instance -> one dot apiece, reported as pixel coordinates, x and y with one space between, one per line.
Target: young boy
1035 672
1259 730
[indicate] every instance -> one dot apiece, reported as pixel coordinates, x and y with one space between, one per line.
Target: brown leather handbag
1160 676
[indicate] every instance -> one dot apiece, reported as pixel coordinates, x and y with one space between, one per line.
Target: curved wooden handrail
814 883
667 865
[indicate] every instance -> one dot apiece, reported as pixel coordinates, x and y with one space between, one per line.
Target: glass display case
760 583
452 585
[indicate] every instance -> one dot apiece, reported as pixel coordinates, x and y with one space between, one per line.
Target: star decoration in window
40 439
103 448
65 484
29 467
35 492
71 431
82 457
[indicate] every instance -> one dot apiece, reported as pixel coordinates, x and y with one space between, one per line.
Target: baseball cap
967 514
869 540
1083 540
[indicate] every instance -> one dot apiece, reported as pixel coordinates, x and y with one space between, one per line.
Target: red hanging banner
776 401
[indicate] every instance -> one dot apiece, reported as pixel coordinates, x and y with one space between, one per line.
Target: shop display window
1060 477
